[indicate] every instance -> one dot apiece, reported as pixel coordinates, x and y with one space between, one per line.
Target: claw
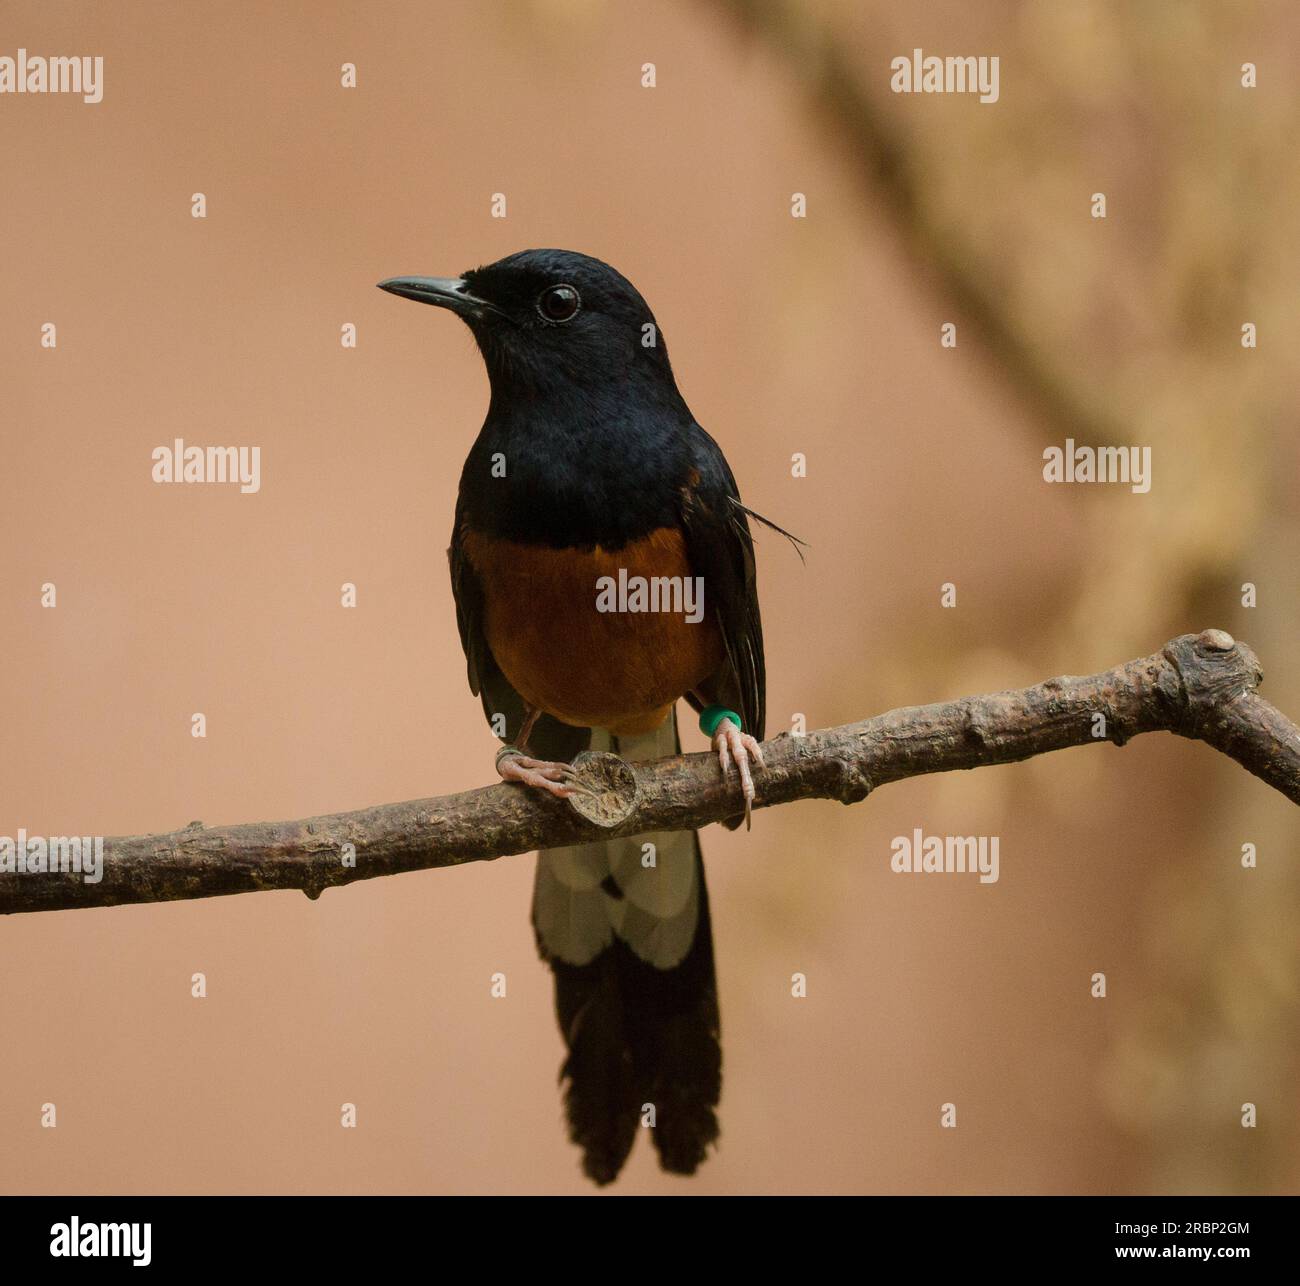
556 779
731 745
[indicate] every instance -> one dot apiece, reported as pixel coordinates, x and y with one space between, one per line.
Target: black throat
573 466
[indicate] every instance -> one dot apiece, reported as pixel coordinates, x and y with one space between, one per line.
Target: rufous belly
616 669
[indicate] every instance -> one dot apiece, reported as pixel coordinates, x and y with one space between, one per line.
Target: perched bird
590 472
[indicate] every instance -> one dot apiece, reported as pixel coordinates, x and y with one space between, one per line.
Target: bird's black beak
445 292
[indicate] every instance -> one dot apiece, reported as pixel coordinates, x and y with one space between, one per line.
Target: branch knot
1213 670
852 785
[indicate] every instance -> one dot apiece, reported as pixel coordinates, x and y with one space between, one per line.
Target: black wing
721 550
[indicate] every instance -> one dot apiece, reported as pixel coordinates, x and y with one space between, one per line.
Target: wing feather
721 550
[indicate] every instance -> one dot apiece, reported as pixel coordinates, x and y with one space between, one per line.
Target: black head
547 319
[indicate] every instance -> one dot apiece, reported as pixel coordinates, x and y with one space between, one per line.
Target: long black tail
642 1037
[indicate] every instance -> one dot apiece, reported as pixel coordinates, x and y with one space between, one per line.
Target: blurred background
817 335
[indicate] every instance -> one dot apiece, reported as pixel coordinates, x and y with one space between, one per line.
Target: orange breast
616 669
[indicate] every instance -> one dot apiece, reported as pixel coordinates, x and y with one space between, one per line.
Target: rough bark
1198 686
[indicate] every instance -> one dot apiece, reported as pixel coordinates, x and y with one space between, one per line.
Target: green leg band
714 715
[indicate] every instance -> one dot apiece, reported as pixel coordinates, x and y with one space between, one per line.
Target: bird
590 472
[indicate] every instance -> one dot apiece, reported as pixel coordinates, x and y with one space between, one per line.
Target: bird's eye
559 303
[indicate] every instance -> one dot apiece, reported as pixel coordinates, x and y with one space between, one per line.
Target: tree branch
1200 686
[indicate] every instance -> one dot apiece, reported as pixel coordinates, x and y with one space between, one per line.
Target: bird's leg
531 715
730 743
515 764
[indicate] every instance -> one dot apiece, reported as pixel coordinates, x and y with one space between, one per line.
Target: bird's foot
729 743
557 779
